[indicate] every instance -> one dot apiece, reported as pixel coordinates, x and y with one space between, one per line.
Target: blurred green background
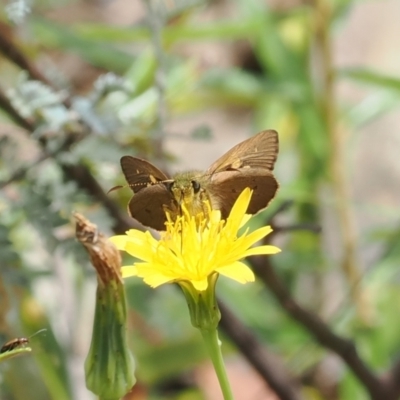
179 82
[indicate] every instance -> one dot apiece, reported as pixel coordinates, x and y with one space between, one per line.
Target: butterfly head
188 190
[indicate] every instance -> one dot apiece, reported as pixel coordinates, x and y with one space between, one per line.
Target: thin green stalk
212 342
350 264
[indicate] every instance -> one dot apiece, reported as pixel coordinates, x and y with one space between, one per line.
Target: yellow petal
128 271
142 252
238 271
239 209
119 241
246 218
262 250
254 237
156 280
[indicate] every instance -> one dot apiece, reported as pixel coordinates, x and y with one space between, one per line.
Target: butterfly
248 164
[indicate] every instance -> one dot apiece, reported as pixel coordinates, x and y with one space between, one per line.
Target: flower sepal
109 366
203 307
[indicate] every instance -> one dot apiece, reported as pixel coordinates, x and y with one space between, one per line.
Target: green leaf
372 107
14 353
234 86
370 77
106 33
101 55
141 73
220 30
275 56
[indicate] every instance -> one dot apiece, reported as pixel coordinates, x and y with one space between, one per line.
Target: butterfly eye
196 186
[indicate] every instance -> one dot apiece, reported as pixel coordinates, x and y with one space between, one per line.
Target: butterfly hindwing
149 205
225 187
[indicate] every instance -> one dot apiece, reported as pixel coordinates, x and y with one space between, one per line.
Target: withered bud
104 255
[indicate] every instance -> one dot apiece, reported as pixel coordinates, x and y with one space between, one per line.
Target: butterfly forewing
259 151
140 173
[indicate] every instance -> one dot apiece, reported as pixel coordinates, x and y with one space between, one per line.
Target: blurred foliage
112 107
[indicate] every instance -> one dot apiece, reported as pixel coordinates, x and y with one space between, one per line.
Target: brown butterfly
248 164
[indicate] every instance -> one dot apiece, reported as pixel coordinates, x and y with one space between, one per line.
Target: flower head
195 247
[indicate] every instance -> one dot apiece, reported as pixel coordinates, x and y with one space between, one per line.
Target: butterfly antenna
130 185
116 188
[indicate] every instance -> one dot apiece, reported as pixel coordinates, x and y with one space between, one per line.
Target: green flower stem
205 315
212 342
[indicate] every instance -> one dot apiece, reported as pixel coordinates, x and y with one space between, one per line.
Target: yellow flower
194 248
